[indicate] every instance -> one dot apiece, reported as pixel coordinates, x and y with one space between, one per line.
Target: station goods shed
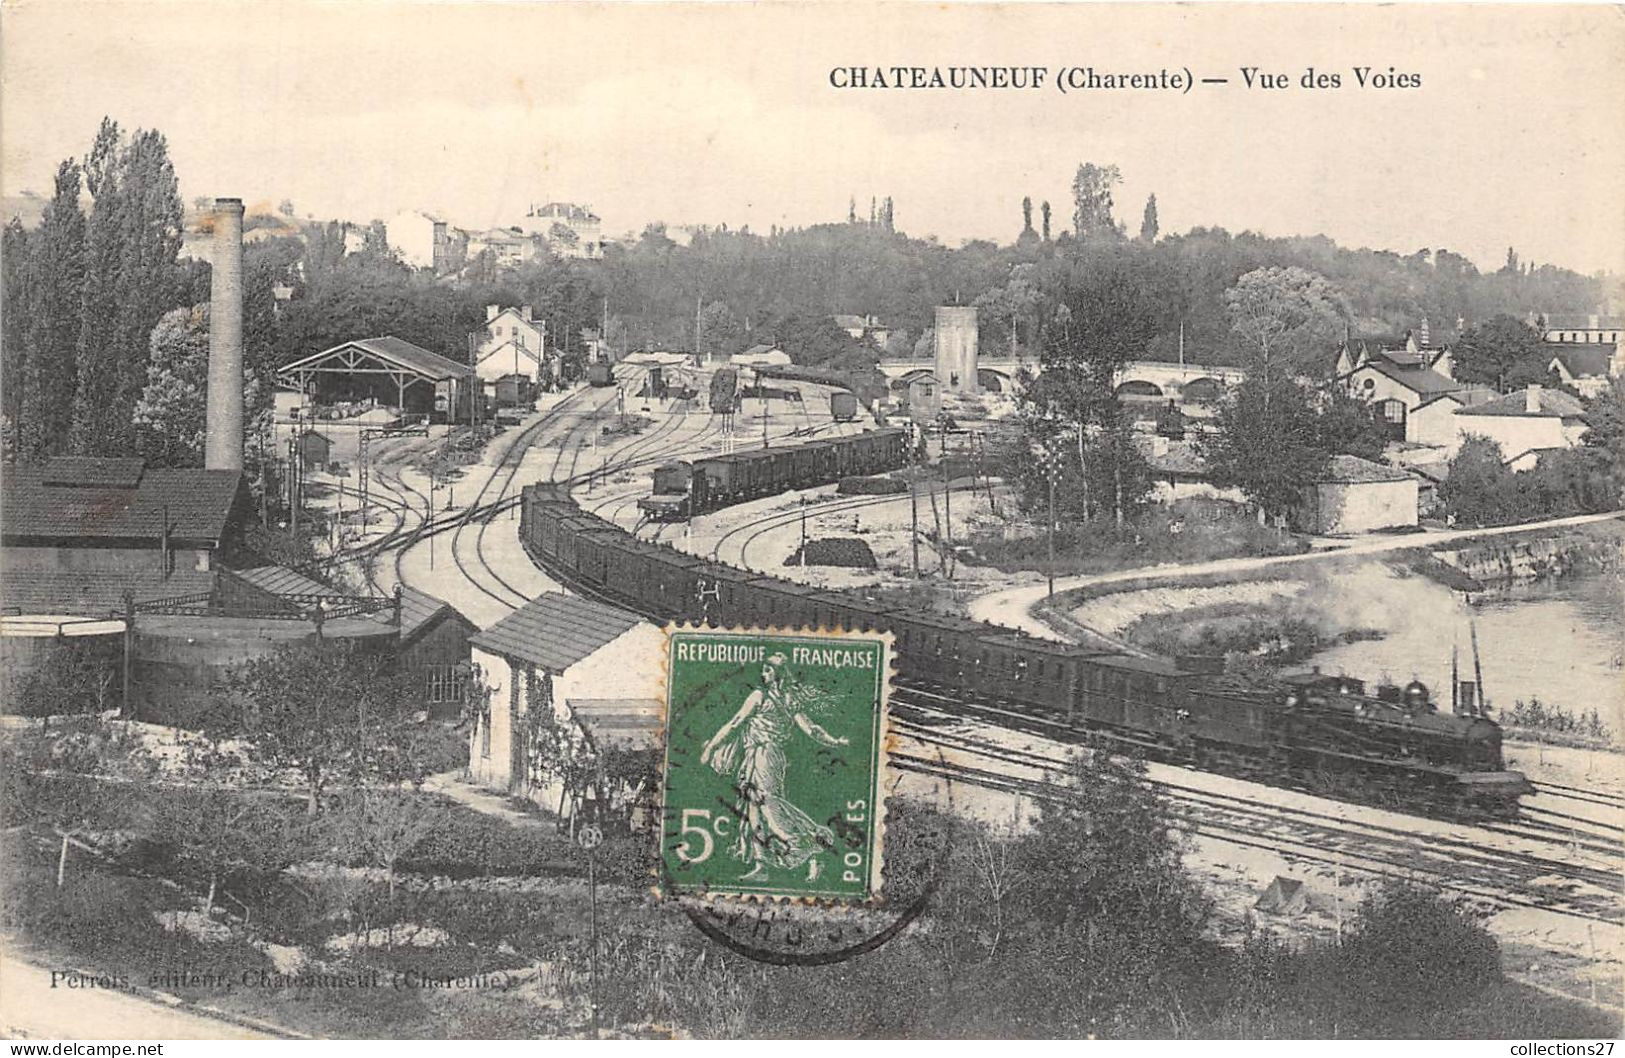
554 650
388 370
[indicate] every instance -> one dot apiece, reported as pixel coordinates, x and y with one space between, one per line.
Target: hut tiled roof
554 631
68 497
1352 470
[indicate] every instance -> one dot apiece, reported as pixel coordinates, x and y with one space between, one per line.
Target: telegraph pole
1051 463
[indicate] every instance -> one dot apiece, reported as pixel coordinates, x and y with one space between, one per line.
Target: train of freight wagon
1387 745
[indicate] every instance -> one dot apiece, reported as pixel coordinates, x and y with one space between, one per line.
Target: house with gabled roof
556 649
1395 381
1583 328
1586 367
1529 420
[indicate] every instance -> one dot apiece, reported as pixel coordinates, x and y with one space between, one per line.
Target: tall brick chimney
223 434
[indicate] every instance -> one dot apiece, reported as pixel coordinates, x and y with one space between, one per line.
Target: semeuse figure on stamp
752 748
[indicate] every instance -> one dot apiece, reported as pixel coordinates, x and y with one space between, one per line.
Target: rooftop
1574 321
94 593
1421 380
1352 470
1549 404
116 499
1583 359
554 631
390 349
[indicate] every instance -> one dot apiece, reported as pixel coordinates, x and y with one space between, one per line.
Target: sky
724 113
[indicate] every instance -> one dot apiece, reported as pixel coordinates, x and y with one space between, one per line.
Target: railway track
1554 869
1463 863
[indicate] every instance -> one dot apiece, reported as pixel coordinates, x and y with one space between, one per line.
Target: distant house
513 344
1586 367
420 238
1532 419
570 230
315 450
1179 472
507 246
1355 495
861 327
1433 422
1585 329
554 650
1395 381
760 356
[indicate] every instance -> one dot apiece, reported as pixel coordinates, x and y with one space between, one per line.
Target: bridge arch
1139 388
1206 389
992 380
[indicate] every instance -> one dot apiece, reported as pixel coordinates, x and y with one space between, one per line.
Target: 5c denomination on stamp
775 749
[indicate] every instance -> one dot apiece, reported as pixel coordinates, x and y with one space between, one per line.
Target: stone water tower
956 349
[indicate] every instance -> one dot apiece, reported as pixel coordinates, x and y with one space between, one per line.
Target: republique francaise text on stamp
775 748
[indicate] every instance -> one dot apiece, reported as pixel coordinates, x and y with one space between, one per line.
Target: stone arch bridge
1140 379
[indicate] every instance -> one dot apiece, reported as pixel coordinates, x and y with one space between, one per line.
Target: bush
880 485
833 551
1413 954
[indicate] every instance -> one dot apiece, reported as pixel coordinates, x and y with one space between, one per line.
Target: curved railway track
1509 877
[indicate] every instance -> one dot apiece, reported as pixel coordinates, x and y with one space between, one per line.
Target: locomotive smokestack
223 435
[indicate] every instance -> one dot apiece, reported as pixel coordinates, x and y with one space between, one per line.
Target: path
1013 607
31 1009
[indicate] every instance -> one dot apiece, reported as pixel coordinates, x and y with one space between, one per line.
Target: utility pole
1051 463
428 517
763 393
947 500
914 499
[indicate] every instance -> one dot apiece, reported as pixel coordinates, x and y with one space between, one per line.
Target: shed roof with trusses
395 357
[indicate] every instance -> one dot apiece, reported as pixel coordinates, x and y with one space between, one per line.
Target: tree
1111 910
133 240
326 711
1503 352
1477 485
1092 201
1148 222
1286 317
813 340
1346 424
1045 210
169 416
1269 442
16 354
1101 319
57 270
720 330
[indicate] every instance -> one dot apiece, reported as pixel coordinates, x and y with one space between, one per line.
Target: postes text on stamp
775 748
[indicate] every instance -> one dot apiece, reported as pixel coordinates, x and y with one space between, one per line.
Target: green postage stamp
775 748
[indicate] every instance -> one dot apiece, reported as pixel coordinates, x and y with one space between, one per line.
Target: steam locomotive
1315 731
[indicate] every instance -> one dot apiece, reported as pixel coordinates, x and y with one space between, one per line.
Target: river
1561 641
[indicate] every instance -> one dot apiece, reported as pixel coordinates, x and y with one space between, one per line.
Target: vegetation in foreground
1087 926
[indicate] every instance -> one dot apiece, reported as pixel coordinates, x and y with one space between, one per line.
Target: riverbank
1546 607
